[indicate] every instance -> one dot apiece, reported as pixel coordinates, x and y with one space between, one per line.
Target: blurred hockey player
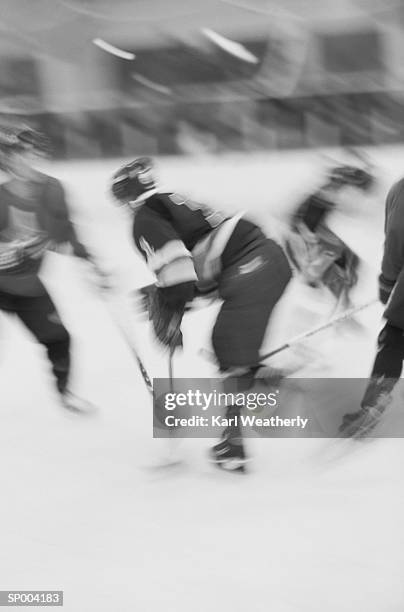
34 218
388 363
322 258
193 250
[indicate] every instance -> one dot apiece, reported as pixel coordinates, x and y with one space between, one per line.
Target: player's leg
40 316
229 452
386 372
250 290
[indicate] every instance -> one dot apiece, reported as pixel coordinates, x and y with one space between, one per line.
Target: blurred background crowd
113 78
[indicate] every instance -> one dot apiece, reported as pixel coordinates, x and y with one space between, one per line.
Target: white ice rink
82 511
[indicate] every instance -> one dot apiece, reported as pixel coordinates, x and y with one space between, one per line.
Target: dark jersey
393 255
30 223
182 240
313 211
172 215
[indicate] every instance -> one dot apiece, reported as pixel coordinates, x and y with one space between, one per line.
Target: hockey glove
167 328
386 286
142 299
166 309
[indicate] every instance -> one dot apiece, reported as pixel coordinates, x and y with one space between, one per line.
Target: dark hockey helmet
351 175
133 180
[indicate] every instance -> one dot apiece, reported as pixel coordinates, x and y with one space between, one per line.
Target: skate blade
240 469
87 409
231 465
365 432
362 433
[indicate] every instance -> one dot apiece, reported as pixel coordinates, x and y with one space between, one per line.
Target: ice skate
229 454
361 423
75 404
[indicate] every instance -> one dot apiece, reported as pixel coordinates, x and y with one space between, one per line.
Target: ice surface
82 511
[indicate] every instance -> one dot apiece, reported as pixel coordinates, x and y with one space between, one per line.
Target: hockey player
34 218
318 253
192 249
388 364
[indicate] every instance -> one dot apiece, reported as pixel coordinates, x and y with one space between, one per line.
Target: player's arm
171 262
393 252
64 238
62 230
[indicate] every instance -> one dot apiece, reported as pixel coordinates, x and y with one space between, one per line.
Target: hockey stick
135 355
102 291
307 334
312 332
175 342
125 335
170 456
171 367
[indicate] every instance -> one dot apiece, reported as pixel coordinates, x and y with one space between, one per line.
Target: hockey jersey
29 225
393 256
184 241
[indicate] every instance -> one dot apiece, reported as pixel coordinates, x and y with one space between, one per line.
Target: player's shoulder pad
177 198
